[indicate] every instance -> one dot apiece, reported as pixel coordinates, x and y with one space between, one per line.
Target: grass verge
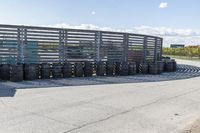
184 57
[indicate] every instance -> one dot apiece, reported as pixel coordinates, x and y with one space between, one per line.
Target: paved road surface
151 107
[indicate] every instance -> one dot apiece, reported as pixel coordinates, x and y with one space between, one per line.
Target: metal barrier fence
29 44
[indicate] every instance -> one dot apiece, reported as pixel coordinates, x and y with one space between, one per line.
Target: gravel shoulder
193 128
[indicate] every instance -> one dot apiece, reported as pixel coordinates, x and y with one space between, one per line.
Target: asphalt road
150 107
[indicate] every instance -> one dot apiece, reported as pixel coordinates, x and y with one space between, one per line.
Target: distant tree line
190 51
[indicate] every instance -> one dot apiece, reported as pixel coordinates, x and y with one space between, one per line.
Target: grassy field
184 57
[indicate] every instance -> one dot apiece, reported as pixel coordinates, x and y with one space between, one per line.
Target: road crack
127 111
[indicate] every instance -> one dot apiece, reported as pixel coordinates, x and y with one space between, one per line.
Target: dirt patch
194 128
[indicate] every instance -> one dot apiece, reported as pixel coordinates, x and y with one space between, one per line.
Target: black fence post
145 49
61 45
125 52
98 45
20 44
155 50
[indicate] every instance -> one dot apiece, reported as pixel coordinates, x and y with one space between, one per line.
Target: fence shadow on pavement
7 91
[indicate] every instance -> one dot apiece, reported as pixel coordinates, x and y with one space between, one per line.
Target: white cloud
163 5
170 35
93 13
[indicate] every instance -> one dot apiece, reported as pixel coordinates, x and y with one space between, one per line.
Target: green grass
183 57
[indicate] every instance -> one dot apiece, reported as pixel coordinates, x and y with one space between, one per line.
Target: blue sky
172 20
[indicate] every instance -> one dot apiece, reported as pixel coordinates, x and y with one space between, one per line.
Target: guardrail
30 44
